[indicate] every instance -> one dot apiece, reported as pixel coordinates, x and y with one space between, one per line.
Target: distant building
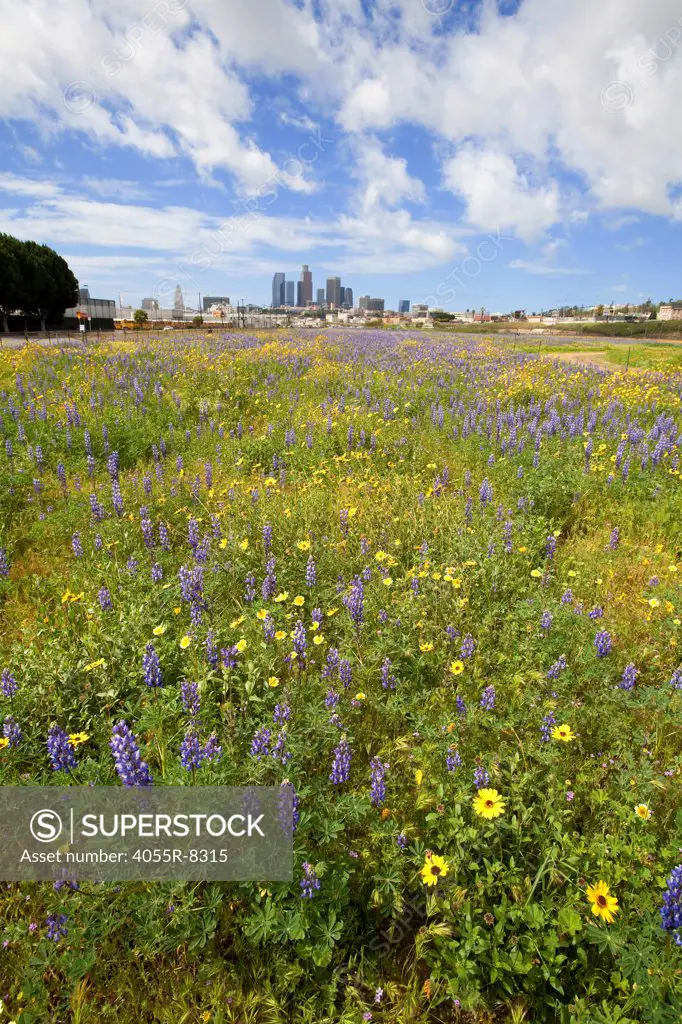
670 311
99 311
150 305
213 300
334 291
320 296
375 305
306 285
404 306
289 293
278 296
178 304
348 297
420 309
300 301
363 301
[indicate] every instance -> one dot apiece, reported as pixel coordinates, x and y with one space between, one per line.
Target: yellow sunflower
435 867
456 667
76 738
563 733
603 904
488 803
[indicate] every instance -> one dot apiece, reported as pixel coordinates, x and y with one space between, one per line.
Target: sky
505 154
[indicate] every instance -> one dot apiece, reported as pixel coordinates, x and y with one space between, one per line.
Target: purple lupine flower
113 465
345 672
628 678
340 772
267 536
212 656
117 498
388 680
354 601
132 566
147 533
488 698
56 927
486 493
317 616
11 731
401 840
310 572
460 704
130 767
481 777
567 596
378 770
191 751
343 521
452 759
548 723
614 540
331 700
269 587
281 714
383 616
671 909
299 640
229 656
249 588
60 750
332 663
77 545
603 643
151 666
164 540
212 749
596 613
467 647
289 815
550 546
676 678
269 628
190 697
278 750
8 684
4 564
309 883
546 620
104 598
157 572
260 744
554 670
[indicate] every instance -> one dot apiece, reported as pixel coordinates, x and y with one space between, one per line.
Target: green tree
10 278
198 320
140 317
48 284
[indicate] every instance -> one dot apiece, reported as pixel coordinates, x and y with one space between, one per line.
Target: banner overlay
149 833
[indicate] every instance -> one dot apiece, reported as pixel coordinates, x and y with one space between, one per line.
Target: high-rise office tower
404 306
320 296
289 298
300 301
348 297
306 286
376 305
342 296
334 291
278 290
363 301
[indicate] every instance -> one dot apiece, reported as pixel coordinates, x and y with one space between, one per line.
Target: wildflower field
430 583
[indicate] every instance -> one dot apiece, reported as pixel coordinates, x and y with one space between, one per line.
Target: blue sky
466 153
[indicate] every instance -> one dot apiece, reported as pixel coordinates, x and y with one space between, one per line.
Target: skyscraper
306 286
363 301
348 297
342 296
320 296
404 306
289 299
178 304
376 305
278 290
300 301
334 291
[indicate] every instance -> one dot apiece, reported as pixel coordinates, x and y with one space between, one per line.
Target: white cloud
497 194
384 180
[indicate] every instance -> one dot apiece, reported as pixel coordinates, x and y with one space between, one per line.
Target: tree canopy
34 280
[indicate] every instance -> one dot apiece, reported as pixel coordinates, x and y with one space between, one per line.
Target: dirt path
597 359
